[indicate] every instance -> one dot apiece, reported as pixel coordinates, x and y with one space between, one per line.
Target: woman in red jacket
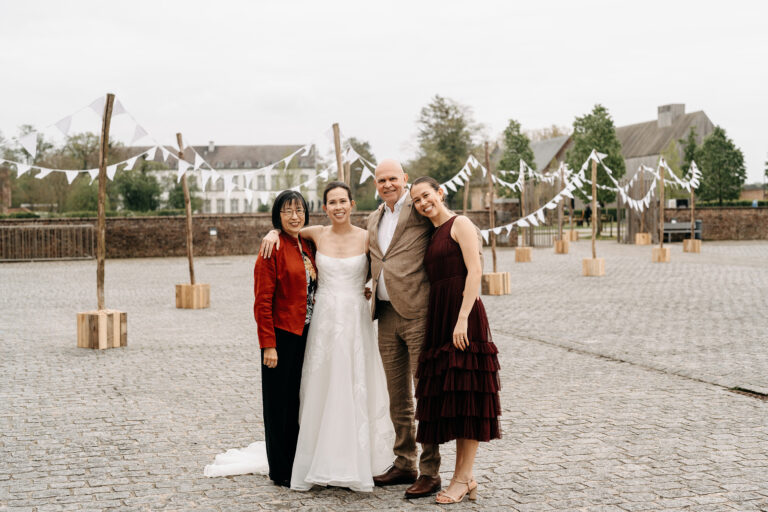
284 286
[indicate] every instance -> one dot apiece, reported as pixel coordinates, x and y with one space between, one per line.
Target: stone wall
148 237
725 223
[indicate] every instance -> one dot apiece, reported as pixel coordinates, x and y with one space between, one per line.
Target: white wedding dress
345 434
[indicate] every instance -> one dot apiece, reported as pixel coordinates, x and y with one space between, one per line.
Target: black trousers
280 396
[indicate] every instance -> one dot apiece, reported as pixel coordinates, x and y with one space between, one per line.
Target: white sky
280 72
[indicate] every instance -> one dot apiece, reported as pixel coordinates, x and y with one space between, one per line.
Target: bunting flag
64 124
94 173
111 170
71 175
29 142
43 173
139 133
21 169
98 105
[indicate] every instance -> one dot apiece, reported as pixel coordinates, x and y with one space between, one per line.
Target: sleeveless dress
457 391
345 432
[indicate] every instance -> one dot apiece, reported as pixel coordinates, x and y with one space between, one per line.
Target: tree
365 194
596 131
517 147
547 133
445 136
722 167
689 150
140 191
175 188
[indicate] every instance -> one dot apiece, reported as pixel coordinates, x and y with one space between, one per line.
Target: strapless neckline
345 258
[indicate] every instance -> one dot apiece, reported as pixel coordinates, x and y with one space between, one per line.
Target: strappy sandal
444 498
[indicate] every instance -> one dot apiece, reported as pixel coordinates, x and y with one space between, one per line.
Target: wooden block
691 245
193 296
496 283
642 239
593 267
522 254
573 236
661 255
561 246
102 329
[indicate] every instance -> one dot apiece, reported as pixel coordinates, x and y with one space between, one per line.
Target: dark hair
432 182
336 184
287 197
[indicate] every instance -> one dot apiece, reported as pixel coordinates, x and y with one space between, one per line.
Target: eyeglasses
290 213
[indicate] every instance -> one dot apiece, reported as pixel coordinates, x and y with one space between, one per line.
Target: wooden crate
691 245
496 283
594 267
102 329
522 254
642 239
661 255
561 246
193 296
573 236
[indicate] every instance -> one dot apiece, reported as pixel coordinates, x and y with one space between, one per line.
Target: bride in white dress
345 431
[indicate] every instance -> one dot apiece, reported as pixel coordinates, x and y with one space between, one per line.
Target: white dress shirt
387 226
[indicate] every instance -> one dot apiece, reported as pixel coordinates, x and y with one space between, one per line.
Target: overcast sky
280 72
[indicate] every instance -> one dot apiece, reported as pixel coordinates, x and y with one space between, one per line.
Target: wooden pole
594 206
101 237
491 213
465 201
661 207
642 212
188 210
337 146
347 172
522 205
560 207
693 222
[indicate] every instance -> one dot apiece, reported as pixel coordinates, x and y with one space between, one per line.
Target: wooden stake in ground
561 245
522 253
193 295
692 245
661 254
494 283
102 328
101 236
337 146
594 266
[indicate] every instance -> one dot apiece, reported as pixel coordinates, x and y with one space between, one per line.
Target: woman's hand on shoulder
271 240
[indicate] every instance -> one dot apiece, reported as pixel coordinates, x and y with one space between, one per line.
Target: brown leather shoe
424 486
395 476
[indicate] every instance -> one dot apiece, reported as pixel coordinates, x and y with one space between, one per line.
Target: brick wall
146 237
726 223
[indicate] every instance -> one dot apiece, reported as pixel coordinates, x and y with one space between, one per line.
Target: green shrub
20 215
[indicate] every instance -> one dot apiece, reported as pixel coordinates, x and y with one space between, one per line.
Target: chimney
669 113
211 146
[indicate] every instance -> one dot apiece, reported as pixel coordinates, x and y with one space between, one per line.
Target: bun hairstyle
336 184
432 182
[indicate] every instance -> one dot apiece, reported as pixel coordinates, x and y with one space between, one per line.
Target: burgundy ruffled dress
457 391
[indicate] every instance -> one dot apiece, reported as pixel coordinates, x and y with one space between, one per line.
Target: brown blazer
403 263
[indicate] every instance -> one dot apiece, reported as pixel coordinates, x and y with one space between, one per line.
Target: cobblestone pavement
618 404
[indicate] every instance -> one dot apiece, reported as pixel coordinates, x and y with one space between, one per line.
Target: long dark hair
336 184
288 197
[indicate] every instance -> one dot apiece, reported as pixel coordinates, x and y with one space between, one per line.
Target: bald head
390 181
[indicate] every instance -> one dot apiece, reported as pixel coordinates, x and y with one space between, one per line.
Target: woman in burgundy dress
458 382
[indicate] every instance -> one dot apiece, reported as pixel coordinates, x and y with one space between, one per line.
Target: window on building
261 182
233 164
219 187
247 164
233 205
207 206
219 165
219 206
274 182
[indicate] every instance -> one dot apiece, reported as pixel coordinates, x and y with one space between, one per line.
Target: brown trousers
400 342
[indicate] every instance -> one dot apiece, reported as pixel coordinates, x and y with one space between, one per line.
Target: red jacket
280 289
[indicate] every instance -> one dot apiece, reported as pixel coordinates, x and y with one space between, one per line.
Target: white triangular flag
111 170
63 125
43 173
497 231
450 185
94 173
165 152
306 150
532 220
151 152
365 175
248 178
540 215
29 142
249 195
97 105
138 134
205 175
323 175
131 162
522 223
71 175
198 161
183 166
228 184
484 234
21 169
117 108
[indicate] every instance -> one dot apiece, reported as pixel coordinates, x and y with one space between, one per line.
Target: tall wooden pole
642 211
101 236
188 209
337 146
522 205
347 172
491 213
594 206
661 207
693 223
560 207
465 201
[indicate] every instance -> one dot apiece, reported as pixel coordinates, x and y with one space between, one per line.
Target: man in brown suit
398 237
